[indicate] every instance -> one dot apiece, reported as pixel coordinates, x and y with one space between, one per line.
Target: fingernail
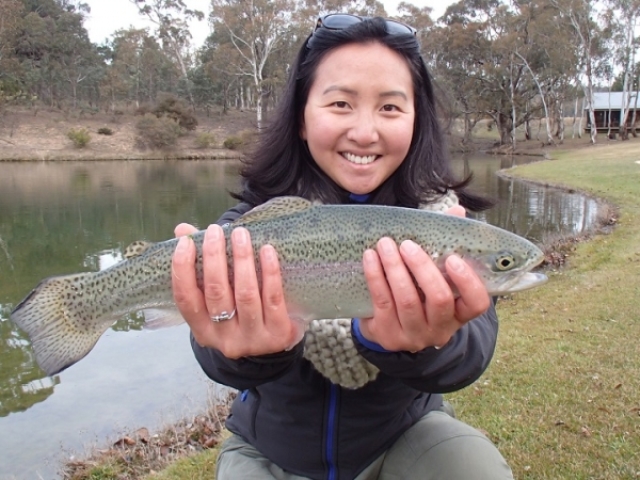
386 245
410 247
456 263
213 233
241 236
183 245
369 257
269 253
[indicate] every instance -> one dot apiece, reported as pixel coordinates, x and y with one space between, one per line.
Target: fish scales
320 250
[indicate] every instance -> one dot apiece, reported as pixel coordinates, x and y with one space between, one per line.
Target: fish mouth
359 159
518 283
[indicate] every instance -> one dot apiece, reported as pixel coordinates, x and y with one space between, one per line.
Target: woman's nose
363 130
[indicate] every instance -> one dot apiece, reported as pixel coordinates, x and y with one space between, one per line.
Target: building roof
611 100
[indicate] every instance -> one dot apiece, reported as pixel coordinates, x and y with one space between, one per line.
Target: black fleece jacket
308 426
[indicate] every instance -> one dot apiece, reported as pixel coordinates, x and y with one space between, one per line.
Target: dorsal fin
136 249
274 208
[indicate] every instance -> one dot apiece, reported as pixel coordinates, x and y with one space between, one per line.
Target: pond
58 218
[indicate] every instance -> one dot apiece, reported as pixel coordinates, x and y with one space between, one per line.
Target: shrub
233 143
105 131
143 109
80 137
176 109
205 140
157 133
249 138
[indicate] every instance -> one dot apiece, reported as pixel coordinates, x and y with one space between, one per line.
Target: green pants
438 447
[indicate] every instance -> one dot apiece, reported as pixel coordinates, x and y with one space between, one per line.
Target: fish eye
504 261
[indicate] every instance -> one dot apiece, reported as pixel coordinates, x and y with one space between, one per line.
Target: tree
77 57
580 15
170 17
138 68
53 50
508 61
10 16
255 28
622 19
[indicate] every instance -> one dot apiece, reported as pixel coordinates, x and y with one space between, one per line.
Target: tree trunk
575 119
592 115
560 110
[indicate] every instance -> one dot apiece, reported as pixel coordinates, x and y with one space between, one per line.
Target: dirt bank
41 134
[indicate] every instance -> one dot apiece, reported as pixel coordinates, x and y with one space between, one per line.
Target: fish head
508 270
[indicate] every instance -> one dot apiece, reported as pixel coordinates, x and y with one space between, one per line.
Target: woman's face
358 119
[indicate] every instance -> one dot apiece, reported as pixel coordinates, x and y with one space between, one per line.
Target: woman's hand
402 321
260 324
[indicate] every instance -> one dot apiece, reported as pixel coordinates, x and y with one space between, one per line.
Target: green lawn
562 396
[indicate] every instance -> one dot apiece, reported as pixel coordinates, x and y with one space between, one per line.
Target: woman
353 398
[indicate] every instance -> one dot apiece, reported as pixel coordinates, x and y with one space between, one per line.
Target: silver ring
223 316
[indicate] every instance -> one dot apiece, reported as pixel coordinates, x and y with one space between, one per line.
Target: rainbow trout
320 249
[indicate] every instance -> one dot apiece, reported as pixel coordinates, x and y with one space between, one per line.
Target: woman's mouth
364 160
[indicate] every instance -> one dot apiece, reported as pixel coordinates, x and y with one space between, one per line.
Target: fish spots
320 250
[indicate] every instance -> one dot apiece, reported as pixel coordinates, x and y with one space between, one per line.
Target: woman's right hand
261 324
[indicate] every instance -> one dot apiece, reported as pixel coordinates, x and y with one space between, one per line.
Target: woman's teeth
359 160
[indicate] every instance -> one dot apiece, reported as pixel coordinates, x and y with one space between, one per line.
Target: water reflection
547 213
72 217
18 370
537 212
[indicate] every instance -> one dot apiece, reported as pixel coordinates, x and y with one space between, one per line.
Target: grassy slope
561 399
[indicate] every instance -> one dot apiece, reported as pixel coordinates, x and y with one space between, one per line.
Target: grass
199 466
560 398
185 450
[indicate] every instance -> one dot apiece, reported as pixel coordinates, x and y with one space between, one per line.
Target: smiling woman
358 128
357 124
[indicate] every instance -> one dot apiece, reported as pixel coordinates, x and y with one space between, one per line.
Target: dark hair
282 164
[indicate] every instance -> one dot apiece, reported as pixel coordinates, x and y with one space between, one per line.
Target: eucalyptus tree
546 52
171 18
582 19
487 78
622 19
217 72
54 51
76 57
10 16
256 29
506 61
138 68
455 52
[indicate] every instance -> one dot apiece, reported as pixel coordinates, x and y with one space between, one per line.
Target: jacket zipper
331 428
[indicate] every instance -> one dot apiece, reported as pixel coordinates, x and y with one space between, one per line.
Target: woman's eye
341 104
390 108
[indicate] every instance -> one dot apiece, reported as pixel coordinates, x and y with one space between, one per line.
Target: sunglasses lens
339 21
398 28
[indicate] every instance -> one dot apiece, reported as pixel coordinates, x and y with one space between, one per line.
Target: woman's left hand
402 321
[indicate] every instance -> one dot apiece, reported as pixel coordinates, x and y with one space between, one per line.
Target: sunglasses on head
341 21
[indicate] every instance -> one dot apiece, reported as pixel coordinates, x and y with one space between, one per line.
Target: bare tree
580 15
622 16
171 19
255 29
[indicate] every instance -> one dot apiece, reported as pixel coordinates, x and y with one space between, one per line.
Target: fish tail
62 330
